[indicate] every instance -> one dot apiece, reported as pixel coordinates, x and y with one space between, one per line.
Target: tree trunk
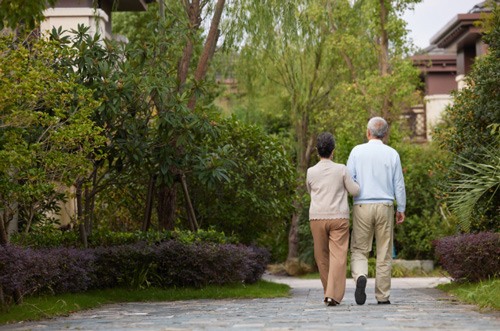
384 62
92 204
18 297
293 235
384 41
149 203
189 206
306 147
167 204
86 210
4 237
209 49
161 8
79 214
2 297
28 223
193 12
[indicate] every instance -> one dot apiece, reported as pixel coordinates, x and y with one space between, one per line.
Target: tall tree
182 110
324 64
46 131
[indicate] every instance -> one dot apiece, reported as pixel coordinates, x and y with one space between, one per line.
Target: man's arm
400 192
351 166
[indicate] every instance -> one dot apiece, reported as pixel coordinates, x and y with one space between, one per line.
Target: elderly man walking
377 168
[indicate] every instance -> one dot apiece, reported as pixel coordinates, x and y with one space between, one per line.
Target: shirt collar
375 141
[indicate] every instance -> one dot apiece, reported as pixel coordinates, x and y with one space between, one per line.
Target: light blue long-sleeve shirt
377 169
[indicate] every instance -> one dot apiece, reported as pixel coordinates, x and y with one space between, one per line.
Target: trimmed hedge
51 237
170 263
470 257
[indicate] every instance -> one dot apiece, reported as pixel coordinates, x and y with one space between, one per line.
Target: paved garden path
416 306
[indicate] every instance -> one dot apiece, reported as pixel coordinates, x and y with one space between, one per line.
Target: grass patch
42 307
398 271
310 276
485 294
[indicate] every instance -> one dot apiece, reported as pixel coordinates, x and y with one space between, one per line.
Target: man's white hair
377 127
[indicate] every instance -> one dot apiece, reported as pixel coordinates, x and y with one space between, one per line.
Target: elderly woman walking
328 183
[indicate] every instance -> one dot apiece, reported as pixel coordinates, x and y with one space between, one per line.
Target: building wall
440 83
435 106
70 18
69 209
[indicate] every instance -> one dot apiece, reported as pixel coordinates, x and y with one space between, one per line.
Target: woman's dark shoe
330 302
360 294
384 302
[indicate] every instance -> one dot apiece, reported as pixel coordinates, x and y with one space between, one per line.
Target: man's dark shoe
384 302
360 294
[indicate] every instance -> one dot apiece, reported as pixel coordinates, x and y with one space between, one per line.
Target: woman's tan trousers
331 241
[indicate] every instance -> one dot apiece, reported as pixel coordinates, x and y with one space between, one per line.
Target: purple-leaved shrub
171 263
470 257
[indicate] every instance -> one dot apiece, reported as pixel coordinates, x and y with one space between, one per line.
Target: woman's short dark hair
325 144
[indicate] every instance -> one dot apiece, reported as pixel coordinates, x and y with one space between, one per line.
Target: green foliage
145 119
257 197
485 294
47 132
141 277
427 215
479 181
328 80
30 12
120 206
48 236
305 67
466 132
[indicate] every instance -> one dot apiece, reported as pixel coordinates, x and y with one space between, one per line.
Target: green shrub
427 217
48 236
257 200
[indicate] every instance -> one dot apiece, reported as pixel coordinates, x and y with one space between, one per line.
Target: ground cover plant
42 307
485 294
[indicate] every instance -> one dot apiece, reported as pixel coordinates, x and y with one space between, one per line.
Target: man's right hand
400 217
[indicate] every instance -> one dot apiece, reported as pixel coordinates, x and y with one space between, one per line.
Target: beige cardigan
328 183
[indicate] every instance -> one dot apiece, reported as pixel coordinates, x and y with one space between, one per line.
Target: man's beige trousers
369 219
331 241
